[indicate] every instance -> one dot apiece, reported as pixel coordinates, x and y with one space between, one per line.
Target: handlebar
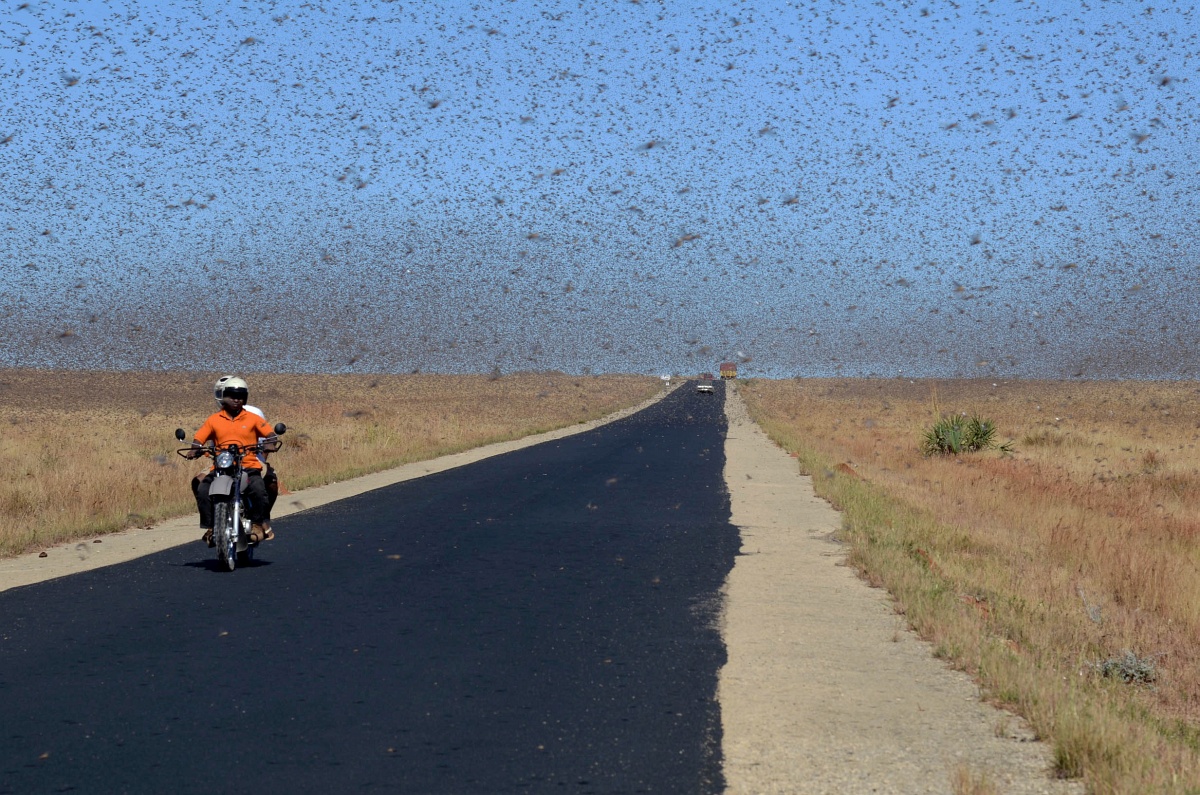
262 446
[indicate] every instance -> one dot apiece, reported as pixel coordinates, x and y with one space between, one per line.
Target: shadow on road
215 566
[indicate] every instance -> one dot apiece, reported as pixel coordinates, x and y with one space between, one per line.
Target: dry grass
1040 571
91 452
965 781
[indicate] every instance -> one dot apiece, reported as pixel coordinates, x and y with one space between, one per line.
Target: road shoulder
825 689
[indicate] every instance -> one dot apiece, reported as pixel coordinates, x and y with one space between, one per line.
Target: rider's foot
207 537
257 533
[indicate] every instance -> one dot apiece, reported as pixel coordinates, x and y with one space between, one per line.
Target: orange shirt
245 430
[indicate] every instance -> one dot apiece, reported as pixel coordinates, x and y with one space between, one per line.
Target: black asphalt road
542 621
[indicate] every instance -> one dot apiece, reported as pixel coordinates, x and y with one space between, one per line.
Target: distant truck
728 370
705 386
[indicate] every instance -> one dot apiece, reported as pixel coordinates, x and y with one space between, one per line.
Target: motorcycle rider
270 478
234 424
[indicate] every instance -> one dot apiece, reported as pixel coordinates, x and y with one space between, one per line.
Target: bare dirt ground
826 690
94 389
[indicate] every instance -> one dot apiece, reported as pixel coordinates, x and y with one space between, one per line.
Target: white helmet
228 382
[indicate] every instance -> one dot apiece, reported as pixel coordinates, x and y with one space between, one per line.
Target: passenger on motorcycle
233 424
269 476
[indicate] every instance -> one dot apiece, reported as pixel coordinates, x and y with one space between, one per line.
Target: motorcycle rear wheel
225 534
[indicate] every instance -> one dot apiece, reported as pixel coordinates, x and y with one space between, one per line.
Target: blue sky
939 189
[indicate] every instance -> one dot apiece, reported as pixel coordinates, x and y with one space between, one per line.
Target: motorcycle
231 526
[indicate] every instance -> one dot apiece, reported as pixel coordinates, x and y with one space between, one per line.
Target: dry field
1064 575
86 453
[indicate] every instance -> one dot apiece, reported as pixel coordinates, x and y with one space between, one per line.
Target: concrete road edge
825 689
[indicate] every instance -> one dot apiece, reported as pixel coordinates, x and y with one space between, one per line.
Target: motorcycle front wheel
225 534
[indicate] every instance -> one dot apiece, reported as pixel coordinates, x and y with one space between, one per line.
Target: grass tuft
965 781
1044 437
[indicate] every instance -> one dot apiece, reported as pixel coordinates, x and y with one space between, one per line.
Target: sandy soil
825 689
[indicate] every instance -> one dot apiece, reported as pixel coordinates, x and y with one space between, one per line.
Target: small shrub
957 433
1127 667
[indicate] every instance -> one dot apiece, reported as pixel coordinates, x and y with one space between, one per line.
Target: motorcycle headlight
224 459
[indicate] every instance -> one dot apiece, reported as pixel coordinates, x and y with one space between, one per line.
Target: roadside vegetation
1063 572
957 433
85 453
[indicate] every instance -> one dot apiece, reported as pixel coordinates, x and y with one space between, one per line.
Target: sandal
208 538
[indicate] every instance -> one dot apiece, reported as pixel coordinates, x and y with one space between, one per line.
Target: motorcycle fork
237 506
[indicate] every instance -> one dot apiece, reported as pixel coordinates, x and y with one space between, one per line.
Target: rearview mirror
280 429
179 434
